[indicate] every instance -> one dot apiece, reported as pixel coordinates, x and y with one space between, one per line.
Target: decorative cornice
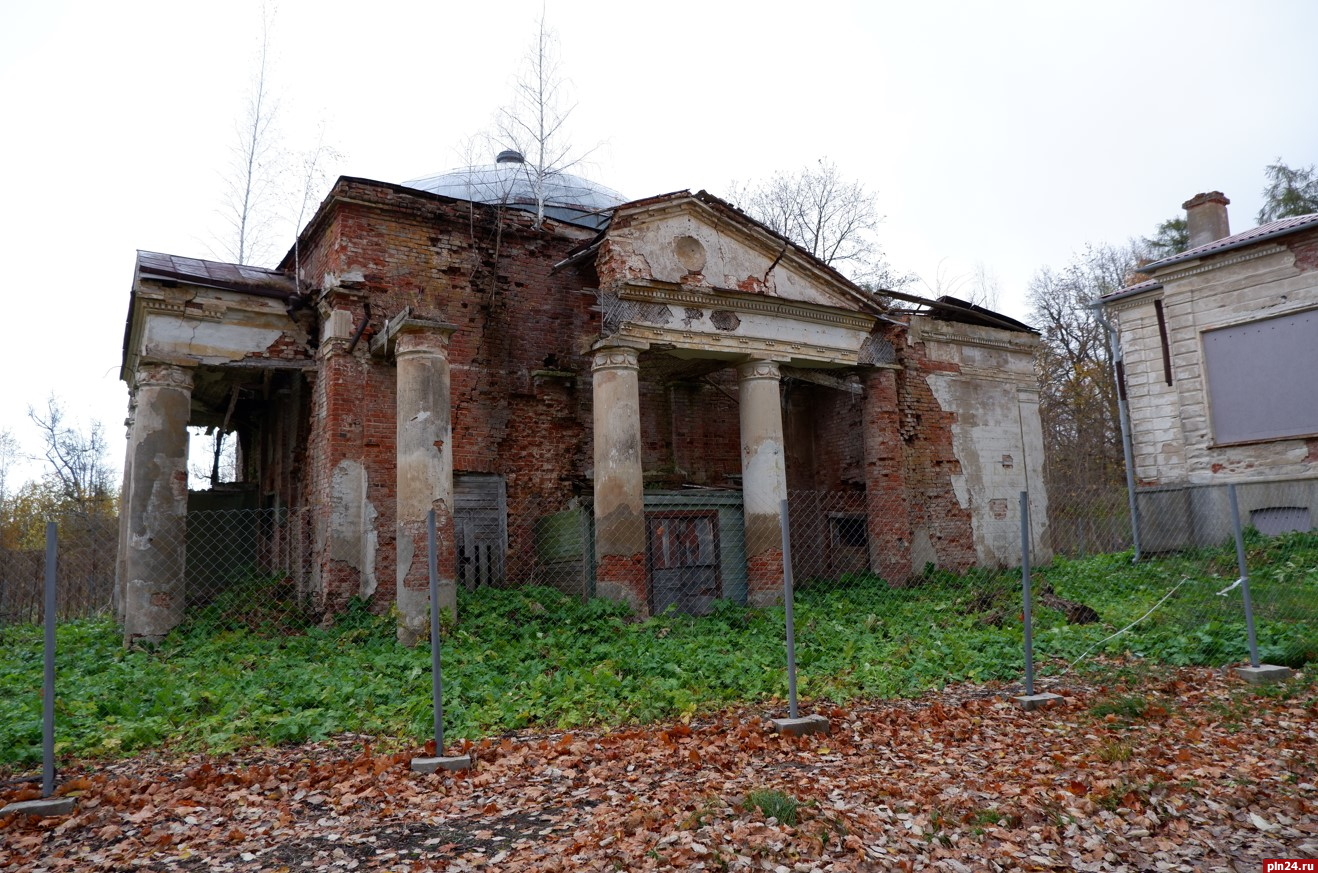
180 309
1219 262
1136 301
926 336
655 292
725 343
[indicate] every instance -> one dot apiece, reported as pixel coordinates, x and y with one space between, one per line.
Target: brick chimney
1205 217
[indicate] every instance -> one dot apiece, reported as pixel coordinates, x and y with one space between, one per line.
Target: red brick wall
926 432
690 431
490 273
520 378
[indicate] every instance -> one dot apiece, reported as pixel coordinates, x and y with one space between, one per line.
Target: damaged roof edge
950 307
240 278
953 309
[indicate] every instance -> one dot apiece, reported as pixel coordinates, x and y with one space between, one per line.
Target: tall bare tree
1078 402
834 218
9 457
77 460
313 178
534 122
980 287
252 180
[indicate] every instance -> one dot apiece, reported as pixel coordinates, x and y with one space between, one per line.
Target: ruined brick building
426 345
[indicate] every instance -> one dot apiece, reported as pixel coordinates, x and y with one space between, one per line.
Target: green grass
532 657
774 804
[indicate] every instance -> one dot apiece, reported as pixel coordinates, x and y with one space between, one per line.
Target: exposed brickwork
764 578
488 272
1305 248
623 577
289 347
929 459
701 431
887 507
522 399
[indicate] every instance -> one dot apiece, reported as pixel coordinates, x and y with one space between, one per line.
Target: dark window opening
1162 337
849 531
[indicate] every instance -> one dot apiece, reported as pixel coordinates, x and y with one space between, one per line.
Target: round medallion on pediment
690 253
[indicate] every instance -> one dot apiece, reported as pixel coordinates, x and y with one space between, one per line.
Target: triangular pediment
699 242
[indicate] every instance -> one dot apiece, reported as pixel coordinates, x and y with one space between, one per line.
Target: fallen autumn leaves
1186 772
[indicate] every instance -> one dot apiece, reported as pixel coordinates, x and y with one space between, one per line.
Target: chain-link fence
566 614
252 569
88 544
897 569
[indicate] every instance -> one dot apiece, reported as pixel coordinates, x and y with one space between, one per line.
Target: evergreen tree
1289 192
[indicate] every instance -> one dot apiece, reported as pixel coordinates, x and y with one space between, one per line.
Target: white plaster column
157 508
619 489
763 478
121 553
424 474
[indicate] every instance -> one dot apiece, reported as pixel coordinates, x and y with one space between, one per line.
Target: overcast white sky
1010 134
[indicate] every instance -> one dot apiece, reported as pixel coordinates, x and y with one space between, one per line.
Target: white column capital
758 369
427 340
162 374
616 358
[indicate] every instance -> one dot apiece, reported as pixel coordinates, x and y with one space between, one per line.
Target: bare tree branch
77 458
254 171
533 124
833 218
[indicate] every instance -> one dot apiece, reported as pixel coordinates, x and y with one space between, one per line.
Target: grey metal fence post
787 605
1025 586
1244 576
436 677
48 683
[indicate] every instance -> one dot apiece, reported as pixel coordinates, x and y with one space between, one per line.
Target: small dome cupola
509 181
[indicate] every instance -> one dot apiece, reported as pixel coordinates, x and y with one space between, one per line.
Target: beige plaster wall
991 387
1171 425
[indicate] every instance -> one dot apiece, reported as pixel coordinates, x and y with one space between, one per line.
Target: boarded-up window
1261 378
480 525
684 561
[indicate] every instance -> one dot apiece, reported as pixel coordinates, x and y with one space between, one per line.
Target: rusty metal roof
215 274
1272 229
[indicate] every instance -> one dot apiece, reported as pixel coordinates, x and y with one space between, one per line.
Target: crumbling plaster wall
194 326
1171 428
986 391
689 244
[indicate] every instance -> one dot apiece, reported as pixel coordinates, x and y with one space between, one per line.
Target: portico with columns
701 293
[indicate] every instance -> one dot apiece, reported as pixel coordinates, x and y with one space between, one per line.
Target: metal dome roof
509 180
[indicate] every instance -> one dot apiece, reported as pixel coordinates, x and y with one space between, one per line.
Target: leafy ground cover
535 658
1140 769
